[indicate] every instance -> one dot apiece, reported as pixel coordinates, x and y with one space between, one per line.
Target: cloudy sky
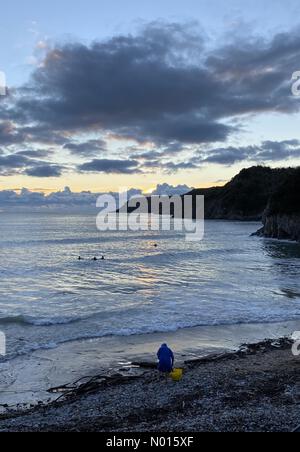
108 94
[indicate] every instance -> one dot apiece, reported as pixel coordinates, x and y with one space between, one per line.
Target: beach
255 389
67 320
25 380
150 218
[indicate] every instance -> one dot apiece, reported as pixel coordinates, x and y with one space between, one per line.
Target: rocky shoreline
255 389
282 227
281 218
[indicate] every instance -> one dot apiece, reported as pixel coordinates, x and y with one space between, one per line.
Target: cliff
244 198
281 218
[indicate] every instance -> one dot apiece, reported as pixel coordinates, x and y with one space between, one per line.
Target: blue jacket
166 359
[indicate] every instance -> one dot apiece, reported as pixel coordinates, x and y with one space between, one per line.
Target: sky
109 94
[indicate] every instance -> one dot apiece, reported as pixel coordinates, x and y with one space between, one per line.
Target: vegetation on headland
248 195
286 199
260 193
281 219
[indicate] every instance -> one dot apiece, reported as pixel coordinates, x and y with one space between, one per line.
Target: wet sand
26 379
254 390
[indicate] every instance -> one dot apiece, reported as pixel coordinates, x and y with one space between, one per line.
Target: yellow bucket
177 374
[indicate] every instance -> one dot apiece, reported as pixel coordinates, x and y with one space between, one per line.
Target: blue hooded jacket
166 359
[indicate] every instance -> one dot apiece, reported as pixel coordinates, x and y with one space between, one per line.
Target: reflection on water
281 249
47 296
285 261
290 293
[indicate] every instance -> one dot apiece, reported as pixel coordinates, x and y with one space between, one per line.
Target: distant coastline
255 194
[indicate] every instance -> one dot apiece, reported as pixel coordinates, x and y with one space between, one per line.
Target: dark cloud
44 170
10 135
44 134
19 163
150 155
268 151
13 133
12 164
230 155
165 151
110 166
163 85
279 150
169 167
185 128
174 167
88 148
160 85
37 153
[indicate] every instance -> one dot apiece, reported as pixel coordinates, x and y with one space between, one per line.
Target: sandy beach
256 389
26 379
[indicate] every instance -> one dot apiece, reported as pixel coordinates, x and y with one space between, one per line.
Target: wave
68 241
96 239
122 332
38 321
145 329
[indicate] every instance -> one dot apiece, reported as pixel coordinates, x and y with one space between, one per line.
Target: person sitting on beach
166 359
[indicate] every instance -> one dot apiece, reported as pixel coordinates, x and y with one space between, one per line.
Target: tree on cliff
286 199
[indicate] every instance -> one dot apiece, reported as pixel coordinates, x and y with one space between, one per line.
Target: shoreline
254 389
25 380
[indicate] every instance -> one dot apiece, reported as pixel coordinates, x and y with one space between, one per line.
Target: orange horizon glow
103 183
145 189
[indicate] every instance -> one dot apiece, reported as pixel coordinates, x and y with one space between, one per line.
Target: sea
149 281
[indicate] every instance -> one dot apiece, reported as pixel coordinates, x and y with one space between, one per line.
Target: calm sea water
48 297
